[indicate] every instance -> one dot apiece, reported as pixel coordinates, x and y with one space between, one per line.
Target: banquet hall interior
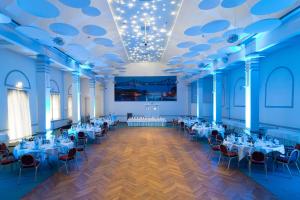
150 99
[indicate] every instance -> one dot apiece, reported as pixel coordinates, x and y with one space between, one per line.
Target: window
54 106
70 107
19 120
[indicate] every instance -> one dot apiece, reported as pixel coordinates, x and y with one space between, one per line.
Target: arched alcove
17 79
70 90
54 87
239 93
279 88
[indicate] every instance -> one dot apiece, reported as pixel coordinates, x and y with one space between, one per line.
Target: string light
144 26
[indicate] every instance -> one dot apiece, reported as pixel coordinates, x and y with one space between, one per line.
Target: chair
71 155
99 136
214 133
214 147
8 159
3 149
191 133
225 153
258 158
182 126
81 146
72 138
28 161
81 135
288 160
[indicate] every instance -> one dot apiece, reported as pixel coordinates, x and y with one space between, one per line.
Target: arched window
19 119
279 89
54 101
239 93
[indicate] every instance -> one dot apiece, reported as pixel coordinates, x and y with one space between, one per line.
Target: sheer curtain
70 107
55 106
19 120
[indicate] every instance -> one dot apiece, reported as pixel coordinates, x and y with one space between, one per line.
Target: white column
189 98
217 97
75 97
200 98
252 71
92 93
43 93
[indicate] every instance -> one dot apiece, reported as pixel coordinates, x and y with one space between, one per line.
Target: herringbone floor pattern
149 163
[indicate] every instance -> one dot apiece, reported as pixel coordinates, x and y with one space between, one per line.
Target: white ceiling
83 47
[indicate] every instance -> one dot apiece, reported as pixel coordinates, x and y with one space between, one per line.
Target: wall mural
279 89
146 88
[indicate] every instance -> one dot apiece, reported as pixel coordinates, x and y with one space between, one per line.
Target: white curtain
19 120
70 107
55 106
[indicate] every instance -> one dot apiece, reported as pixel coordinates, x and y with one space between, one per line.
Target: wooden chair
81 146
65 158
214 147
288 160
225 153
28 161
257 158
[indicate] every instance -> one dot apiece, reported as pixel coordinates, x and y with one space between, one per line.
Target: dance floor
149 163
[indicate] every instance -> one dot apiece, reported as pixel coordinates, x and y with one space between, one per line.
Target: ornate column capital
42 63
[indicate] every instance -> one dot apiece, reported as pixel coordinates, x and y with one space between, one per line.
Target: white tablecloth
89 131
245 149
29 148
203 131
147 122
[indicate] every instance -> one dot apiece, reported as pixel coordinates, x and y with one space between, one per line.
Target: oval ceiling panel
232 3
266 7
64 29
104 42
193 31
76 3
191 54
39 8
186 44
200 47
94 30
215 26
91 11
262 26
190 62
208 4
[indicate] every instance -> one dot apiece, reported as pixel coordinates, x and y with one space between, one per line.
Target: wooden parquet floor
149 163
